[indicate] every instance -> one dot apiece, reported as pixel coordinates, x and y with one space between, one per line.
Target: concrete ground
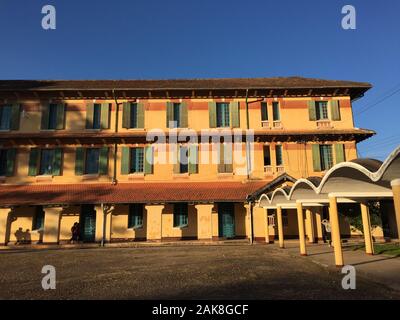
235 271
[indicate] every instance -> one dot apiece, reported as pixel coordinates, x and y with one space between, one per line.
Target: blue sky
150 39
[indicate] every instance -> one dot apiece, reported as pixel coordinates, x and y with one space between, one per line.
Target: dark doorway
226 220
88 223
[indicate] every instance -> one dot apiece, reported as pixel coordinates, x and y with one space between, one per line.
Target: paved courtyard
179 272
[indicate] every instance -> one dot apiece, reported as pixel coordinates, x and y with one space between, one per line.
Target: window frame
276 111
135 216
181 213
320 111
8 125
132 151
330 164
44 171
88 162
280 148
3 162
41 213
96 123
269 155
223 115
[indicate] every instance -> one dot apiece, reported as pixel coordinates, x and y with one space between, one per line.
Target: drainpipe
114 179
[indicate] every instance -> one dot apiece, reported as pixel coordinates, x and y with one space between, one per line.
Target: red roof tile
43 194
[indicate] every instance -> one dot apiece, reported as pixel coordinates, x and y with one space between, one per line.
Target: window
92 161
52 116
5 117
135 217
137 160
97 116
3 162
278 155
267 156
223 115
38 219
321 110
276 114
134 115
46 162
326 157
176 115
180 215
264 111
183 159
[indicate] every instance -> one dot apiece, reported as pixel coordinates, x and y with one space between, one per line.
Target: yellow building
135 160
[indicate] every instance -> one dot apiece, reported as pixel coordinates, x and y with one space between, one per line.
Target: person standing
328 230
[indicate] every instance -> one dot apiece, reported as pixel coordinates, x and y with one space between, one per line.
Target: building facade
154 160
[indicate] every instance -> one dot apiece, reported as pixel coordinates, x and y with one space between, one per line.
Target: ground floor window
38 219
135 217
180 215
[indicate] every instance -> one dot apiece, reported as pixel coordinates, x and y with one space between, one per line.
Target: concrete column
4 212
318 223
100 223
52 216
204 221
396 200
260 224
280 227
334 220
310 225
302 236
154 227
249 225
266 226
369 246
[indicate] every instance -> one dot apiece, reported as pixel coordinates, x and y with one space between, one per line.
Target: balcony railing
265 124
271 170
324 124
280 169
277 124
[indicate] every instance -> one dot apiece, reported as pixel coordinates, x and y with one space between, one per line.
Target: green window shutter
79 161
193 159
177 166
264 111
140 115
60 116
311 111
45 117
184 115
235 115
339 153
103 161
335 111
148 160
105 115
10 162
228 158
221 161
126 115
316 157
15 116
33 162
89 115
170 113
57 161
212 112
125 160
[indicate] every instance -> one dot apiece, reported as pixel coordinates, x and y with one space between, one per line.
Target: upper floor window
264 111
267 156
276 112
186 159
326 157
45 162
180 215
183 159
224 114
7 160
91 161
321 109
53 116
323 156
97 116
279 155
9 117
135 217
133 115
177 115
137 160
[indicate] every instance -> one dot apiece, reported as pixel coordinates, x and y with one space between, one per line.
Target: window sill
48 130
136 228
5 130
135 176
182 227
225 174
136 129
90 176
94 130
181 175
44 178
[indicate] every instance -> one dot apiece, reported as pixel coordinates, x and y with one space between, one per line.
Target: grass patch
390 249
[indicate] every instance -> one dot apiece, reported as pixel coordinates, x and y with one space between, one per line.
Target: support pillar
266 226
204 221
154 218
51 233
100 223
310 226
334 220
280 226
4 212
302 236
260 224
248 222
366 221
396 200
318 223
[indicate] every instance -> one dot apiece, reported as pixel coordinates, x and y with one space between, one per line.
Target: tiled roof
96 193
222 83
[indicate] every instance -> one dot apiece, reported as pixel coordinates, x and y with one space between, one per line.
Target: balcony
277 125
271 170
265 124
324 124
